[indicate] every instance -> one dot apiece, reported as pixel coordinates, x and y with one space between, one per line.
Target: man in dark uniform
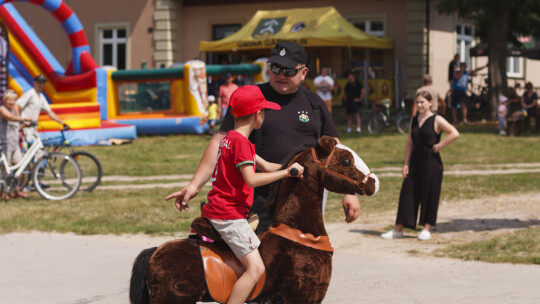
281 132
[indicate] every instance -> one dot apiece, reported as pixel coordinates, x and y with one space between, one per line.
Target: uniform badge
282 52
303 116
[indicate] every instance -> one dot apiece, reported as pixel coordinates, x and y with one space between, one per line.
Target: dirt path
178 181
65 268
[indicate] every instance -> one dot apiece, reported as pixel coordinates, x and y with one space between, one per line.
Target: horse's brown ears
327 144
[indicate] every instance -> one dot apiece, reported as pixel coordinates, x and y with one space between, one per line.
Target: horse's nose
376 180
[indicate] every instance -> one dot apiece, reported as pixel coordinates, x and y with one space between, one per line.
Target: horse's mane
274 187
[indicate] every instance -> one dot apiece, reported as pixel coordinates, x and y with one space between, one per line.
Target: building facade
132 34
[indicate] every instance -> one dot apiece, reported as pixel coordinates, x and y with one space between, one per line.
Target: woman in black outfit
422 170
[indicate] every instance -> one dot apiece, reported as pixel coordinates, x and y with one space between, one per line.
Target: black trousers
422 187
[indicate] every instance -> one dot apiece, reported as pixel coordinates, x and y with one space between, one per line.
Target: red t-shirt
225 92
230 197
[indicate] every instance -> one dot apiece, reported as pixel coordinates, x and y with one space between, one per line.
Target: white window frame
369 19
514 70
99 42
461 41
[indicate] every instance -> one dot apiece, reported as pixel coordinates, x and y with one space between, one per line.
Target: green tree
498 22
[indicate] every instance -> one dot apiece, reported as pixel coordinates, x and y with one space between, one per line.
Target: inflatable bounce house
78 94
101 103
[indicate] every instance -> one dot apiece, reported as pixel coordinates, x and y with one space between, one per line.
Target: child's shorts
211 122
238 234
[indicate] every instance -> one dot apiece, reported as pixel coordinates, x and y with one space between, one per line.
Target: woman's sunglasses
286 71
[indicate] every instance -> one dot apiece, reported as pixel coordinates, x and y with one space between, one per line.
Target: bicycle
382 119
89 164
55 176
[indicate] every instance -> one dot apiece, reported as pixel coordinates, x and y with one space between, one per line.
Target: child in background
233 180
502 111
9 134
212 110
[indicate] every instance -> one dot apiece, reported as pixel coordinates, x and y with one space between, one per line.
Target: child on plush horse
233 181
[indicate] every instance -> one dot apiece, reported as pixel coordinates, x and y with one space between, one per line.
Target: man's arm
54 117
202 174
350 203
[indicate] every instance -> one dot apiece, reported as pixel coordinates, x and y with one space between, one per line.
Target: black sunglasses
286 71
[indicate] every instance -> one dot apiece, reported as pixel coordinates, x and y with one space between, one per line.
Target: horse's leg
175 274
305 275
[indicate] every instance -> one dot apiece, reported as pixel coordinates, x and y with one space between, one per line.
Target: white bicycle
55 176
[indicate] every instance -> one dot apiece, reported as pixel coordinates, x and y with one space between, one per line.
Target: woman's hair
9 94
528 85
424 94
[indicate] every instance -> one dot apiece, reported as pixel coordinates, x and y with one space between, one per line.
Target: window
112 46
144 96
371 27
372 24
514 67
465 41
220 31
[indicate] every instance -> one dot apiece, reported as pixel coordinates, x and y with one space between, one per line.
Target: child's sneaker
348 130
502 132
424 235
392 235
358 130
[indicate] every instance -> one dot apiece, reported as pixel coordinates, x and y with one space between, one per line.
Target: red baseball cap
249 99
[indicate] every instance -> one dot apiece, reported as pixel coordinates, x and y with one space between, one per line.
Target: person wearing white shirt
324 85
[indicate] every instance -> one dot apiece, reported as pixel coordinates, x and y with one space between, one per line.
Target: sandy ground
65 268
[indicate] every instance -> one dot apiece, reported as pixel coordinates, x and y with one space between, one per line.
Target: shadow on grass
458 225
484 224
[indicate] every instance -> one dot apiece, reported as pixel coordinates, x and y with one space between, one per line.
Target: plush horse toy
296 250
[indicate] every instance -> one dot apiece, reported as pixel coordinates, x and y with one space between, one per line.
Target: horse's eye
346 162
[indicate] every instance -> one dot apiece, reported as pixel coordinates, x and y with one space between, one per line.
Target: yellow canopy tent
309 27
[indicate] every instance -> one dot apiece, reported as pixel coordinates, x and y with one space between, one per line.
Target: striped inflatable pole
81 60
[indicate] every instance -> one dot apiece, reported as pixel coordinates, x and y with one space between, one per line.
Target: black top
424 138
451 69
353 90
290 127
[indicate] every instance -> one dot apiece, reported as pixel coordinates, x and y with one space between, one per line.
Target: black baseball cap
288 54
40 78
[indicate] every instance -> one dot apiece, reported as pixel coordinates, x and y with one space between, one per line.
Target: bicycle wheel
90 170
376 123
403 122
56 176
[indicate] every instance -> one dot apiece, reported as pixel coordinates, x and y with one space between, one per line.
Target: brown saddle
203 227
222 269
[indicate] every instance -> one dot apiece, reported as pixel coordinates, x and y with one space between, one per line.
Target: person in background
353 95
9 134
422 170
459 92
428 86
212 110
529 102
452 68
225 92
32 103
502 111
324 85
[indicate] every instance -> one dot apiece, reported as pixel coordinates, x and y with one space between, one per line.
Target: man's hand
182 197
351 207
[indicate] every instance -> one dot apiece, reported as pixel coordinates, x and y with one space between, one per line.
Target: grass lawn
144 210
